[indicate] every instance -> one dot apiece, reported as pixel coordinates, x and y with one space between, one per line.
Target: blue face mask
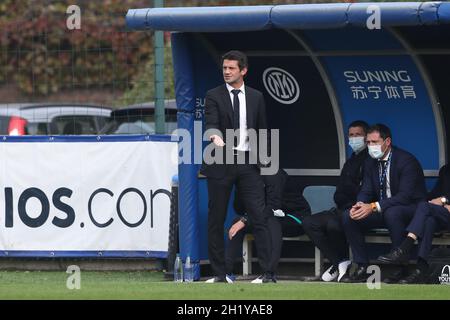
375 151
356 143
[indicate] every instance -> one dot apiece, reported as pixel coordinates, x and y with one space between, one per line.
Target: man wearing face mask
325 228
393 185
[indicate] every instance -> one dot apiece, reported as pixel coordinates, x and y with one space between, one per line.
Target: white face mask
375 151
356 143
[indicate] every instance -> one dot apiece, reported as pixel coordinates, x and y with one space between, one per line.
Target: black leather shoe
396 276
416 277
269 277
360 275
396 256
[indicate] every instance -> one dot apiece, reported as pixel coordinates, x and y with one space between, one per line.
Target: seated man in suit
325 228
430 217
393 185
285 208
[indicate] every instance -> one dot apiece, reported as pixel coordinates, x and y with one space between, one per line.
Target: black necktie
236 113
236 108
383 178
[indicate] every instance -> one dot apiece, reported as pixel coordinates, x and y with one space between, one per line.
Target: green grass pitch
153 286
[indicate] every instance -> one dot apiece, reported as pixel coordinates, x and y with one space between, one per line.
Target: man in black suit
325 228
233 111
393 185
431 216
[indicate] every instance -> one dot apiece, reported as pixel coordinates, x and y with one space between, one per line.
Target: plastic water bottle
188 270
178 270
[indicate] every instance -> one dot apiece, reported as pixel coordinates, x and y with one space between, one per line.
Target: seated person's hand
360 211
436 201
355 207
235 228
447 207
217 140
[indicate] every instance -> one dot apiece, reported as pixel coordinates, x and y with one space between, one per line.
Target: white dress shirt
243 136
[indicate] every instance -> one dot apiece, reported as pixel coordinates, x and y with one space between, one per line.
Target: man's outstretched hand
217 140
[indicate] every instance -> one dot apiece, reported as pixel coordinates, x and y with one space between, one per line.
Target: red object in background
17 126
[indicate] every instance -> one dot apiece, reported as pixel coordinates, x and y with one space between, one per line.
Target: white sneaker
258 280
343 267
212 280
217 279
330 275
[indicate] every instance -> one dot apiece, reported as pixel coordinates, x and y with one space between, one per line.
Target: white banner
85 196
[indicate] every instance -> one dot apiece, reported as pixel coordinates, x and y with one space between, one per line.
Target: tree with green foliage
42 56
142 85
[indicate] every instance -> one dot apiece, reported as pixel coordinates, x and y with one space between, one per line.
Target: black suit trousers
326 232
251 187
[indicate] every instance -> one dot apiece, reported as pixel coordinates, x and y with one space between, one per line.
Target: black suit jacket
350 180
406 177
219 116
442 187
278 197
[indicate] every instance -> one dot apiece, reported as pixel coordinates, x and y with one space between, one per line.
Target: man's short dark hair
359 123
238 56
382 129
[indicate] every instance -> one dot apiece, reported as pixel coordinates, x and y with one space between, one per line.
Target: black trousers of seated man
278 228
327 233
248 181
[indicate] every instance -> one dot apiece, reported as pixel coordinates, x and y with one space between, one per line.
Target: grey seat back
320 198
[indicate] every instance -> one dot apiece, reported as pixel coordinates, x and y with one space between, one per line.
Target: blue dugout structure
320 66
